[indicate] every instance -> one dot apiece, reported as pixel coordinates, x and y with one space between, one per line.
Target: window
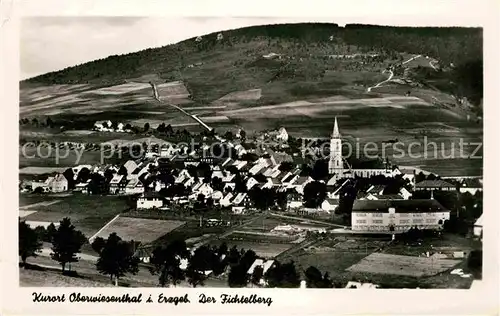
417 215
418 221
404 221
361 214
361 221
377 221
430 221
403 214
377 214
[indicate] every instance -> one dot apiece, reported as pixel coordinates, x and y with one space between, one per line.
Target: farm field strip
139 229
381 263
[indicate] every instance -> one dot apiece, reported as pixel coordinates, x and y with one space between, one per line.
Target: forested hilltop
233 58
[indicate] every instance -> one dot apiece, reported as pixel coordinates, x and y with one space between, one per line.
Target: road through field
391 74
307 220
194 117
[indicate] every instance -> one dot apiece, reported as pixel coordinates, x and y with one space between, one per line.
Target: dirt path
391 74
194 117
307 220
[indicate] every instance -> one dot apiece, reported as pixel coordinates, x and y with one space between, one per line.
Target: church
337 161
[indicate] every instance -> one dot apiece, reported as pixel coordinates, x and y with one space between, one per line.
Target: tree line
172 263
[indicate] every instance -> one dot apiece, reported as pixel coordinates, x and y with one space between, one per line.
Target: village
255 194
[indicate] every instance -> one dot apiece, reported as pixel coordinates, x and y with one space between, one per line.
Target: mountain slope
217 65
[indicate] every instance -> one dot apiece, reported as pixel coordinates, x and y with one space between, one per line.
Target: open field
43 160
27 199
365 117
402 265
87 212
34 278
336 256
139 229
41 170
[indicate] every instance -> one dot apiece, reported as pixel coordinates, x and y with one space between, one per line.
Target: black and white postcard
162 158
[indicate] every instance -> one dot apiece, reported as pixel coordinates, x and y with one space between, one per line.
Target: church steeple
336 133
336 165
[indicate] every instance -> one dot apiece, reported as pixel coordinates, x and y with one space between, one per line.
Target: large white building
149 200
336 162
397 215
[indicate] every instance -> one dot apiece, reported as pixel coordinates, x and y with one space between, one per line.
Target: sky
53 43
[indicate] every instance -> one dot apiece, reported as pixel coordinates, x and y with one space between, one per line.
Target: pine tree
117 258
29 242
66 243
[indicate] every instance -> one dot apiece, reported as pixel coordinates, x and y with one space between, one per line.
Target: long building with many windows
397 215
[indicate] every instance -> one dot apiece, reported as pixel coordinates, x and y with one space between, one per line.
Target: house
228 177
434 185
376 189
167 151
240 150
103 126
408 174
149 200
238 203
301 183
373 197
265 265
217 196
58 183
329 205
471 186
478 227
134 186
77 169
251 182
288 179
307 211
82 187
333 188
205 189
405 193
41 184
130 166
360 285
226 200
397 215
119 127
117 184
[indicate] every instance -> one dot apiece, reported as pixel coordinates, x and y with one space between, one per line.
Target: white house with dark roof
265 265
130 166
238 203
329 205
117 184
397 215
134 186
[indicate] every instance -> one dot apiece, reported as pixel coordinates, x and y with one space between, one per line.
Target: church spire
336 133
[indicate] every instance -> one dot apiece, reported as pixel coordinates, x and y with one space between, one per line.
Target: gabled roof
150 195
116 179
239 198
375 189
388 196
434 184
479 221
